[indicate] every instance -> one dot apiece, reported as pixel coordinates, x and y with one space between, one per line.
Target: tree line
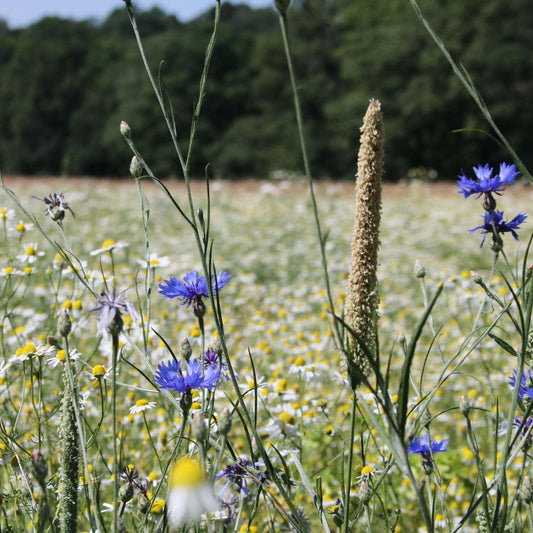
65 86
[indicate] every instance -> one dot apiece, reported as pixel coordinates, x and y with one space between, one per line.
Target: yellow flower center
30 250
186 472
142 402
367 470
9 270
62 355
157 507
21 227
286 418
300 361
99 371
108 243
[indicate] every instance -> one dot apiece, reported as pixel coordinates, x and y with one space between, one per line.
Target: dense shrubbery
67 84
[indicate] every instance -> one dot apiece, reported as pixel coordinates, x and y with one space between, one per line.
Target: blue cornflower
525 392
192 289
426 448
494 219
172 377
486 183
112 305
239 473
213 360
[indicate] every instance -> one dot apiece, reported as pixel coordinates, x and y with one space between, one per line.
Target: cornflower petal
172 377
492 219
425 447
193 287
487 184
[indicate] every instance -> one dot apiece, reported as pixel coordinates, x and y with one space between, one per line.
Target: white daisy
189 496
141 405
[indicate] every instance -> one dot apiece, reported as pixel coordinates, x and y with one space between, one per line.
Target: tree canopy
66 85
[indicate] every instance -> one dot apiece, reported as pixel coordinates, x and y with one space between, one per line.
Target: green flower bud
125 130
464 406
125 493
64 324
225 422
40 467
526 490
199 428
136 167
420 271
186 349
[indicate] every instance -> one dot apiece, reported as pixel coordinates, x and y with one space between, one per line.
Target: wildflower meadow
277 355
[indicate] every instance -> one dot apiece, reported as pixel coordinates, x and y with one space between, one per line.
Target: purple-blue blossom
212 359
493 220
112 305
239 472
193 288
426 448
487 183
172 376
525 391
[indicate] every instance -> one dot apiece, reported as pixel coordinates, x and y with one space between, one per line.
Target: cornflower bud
125 130
526 490
225 422
136 167
464 406
199 428
420 270
476 277
365 493
64 324
125 493
186 349
40 467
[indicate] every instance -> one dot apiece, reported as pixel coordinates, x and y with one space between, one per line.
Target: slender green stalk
468 84
346 522
307 169
116 466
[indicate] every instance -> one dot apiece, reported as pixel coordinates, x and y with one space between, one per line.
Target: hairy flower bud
464 406
225 422
365 493
125 130
125 493
199 428
476 278
420 271
136 167
40 467
526 490
186 349
64 324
